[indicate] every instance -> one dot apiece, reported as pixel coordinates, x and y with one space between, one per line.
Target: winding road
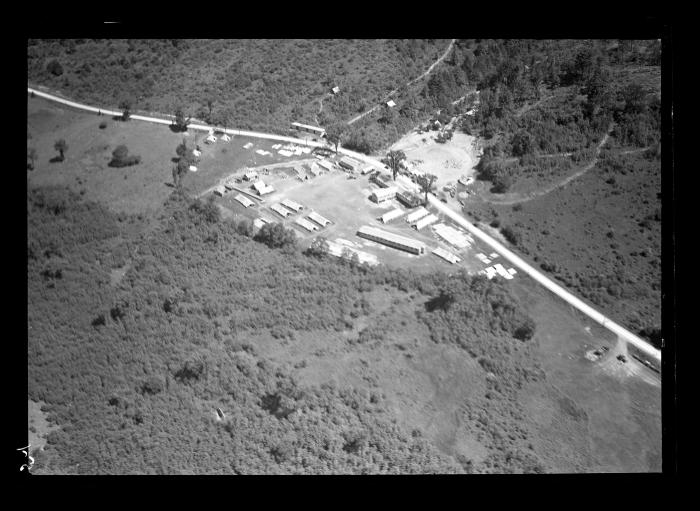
443 208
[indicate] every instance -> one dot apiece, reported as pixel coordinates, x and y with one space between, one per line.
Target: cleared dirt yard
447 161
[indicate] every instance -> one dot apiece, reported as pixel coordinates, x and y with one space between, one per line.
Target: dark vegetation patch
134 374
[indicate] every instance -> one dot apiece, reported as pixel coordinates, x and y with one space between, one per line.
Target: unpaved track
455 216
555 186
426 73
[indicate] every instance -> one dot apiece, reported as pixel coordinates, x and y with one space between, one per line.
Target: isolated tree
183 151
31 157
395 158
61 147
122 158
425 181
319 247
180 169
335 133
210 104
125 105
181 120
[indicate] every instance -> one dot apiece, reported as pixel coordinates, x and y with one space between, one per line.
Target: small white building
262 188
383 194
294 206
283 212
417 215
319 219
220 190
335 90
392 215
211 139
245 201
366 169
196 153
250 176
225 138
328 165
446 255
425 221
390 103
193 168
309 226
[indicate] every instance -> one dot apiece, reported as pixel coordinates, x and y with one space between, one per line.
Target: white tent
225 138
193 168
211 139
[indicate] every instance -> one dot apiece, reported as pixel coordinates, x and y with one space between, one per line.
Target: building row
391 240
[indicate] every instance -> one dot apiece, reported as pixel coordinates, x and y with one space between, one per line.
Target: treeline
133 371
262 84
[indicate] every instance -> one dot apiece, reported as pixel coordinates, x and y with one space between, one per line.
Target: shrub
55 68
122 158
103 125
511 235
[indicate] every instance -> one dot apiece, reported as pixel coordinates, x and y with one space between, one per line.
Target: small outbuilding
390 103
294 206
283 212
245 201
262 188
220 190
335 90
319 219
383 194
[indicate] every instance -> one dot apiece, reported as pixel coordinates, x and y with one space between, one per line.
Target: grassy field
140 188
599 235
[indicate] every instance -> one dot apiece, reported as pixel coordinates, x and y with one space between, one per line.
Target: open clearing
447 161
140 188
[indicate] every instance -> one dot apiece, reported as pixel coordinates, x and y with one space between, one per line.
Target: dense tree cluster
155 374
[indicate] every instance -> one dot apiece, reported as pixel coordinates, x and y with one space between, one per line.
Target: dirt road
551 188
426 73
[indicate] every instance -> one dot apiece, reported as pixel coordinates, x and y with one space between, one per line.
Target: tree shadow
56 159
441 302
177 129
175 159
168 183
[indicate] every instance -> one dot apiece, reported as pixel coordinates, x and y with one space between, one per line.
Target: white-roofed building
328 165
314 169
250 176
335 90
391 239
407 183
220 190
225 138
309 226
319 219
425 221
196 153
193 168
211 139
262 188
349 163
315 130
392 215
283 212
382 194
416 215
390 103
451 235
295 206
366 169
245 201
446 255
